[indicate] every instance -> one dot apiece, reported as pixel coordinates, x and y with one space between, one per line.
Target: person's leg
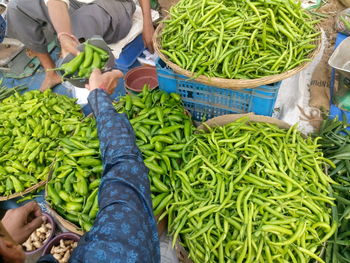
26 20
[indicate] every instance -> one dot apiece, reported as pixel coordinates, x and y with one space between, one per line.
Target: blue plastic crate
206 102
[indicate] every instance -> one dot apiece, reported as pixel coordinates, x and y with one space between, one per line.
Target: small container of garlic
62 246
40 237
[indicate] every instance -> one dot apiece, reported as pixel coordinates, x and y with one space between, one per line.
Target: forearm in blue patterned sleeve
117 142
125 229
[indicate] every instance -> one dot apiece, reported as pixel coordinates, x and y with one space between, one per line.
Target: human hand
68 43
10 252
147 35
21 222
106 81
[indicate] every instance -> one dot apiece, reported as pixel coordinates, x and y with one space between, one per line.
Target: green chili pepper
72 66
90 201
76 199
68 183
87 225
64 196
57 186
82 187
96 62
170 129
86 161
154 167
94 208
82 153
9 185
159 184
100 51
71 218
97 169
53 195
72 206
163 203
162 138
88 56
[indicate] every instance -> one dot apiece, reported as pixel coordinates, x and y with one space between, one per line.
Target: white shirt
67 1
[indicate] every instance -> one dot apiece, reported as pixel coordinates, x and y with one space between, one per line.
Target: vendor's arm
125 228
148 29
58 12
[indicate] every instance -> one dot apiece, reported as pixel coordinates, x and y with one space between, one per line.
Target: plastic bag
342 22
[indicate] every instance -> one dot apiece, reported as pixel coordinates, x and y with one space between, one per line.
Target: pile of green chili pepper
251 192
162 129
335 144
30 126
73 187
82 65
238 39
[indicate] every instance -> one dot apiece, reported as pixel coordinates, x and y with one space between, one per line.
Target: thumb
117 73
35 223
94 74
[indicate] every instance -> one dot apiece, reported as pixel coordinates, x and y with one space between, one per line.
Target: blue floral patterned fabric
125 230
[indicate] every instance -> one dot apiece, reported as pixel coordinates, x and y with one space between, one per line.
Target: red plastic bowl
136 78
49 220
56 241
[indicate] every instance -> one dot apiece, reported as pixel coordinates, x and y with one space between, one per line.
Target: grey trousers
27 21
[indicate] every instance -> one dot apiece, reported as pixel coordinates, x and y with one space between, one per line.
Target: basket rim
229 118
64 222
26 191
231 83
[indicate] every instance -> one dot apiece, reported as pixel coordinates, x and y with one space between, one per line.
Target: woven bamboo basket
26 191
231 83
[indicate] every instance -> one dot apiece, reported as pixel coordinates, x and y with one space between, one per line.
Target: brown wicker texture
63 222
230 83
226 119
26 191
